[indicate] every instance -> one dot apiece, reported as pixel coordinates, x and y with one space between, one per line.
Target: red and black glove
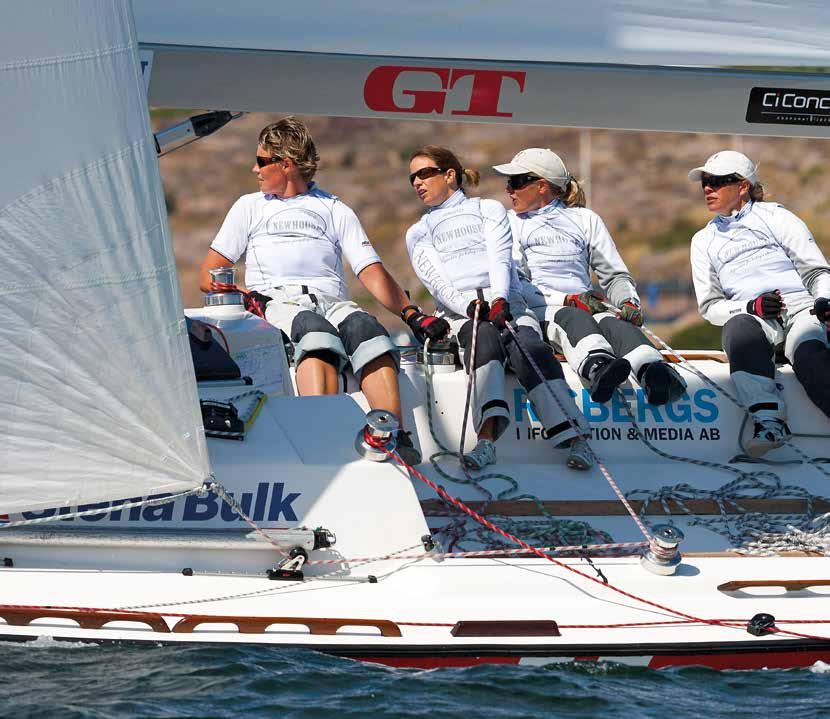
630 312
821 309
768 305
482 313
499 313
590 301
256 302
427 327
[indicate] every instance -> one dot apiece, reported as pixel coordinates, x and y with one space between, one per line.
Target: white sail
629 64
97 392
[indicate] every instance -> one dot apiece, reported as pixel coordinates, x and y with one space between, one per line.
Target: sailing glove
499 313
821 309
630 312
767 306
483 312
427 327
590 301
256 302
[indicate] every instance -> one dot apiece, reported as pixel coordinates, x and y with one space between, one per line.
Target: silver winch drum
662 556
223 276
382 426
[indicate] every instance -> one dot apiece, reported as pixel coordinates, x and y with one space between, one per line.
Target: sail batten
98 397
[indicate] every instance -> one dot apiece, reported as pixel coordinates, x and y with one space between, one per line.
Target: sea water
57 679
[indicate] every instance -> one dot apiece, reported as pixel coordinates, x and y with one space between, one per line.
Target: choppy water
48 678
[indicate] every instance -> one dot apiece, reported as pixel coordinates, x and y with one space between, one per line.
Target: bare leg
487 429
315 376
379 383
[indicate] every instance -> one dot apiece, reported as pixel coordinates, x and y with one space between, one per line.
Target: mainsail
97 393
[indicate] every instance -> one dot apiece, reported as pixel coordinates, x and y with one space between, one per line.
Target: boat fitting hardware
290 568
187 571
381 426
428 542
761 624
323 538
8 562
223 276
662 555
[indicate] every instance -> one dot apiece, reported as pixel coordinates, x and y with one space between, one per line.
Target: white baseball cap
543 162
726 162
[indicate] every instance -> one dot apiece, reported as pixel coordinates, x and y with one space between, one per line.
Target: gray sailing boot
580 456
605 374
768 434
662 383
481 455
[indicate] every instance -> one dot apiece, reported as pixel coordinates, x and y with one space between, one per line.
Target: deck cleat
381 429
290 568
662 555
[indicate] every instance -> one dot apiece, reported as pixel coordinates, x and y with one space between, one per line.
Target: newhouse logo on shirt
296 223
457 232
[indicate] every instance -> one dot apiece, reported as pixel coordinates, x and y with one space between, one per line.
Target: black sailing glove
482 313
769 305
427 327
821 309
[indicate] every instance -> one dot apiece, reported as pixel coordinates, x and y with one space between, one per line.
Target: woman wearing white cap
461 251
759 273
557 242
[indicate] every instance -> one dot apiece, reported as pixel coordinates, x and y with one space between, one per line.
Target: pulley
381 429
662 555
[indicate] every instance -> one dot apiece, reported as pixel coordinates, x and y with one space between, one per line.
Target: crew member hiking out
759 274
556 244
294 236
461 251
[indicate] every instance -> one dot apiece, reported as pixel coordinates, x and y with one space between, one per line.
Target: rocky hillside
638 185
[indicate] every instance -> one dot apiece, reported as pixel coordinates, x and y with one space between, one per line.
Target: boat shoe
662 384
606 375
768 434
481 455
580 456
407 451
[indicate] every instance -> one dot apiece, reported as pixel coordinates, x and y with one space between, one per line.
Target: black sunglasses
265 161
517 182
718 181
425 173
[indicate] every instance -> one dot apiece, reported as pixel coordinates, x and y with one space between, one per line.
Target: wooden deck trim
258 625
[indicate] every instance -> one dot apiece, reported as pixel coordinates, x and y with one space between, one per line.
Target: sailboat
160 480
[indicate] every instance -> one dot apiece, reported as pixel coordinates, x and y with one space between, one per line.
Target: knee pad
540 352
308 321
811 364
488 343
365 339
576 323
747 347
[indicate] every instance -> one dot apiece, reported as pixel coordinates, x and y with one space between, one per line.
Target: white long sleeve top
463 244
761 248
557 246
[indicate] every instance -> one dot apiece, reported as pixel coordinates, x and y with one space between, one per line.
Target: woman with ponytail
557 243
461 251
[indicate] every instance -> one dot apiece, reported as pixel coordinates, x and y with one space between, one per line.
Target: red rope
379 444
251 303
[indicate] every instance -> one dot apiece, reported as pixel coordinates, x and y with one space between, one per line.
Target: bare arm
383 287
212 261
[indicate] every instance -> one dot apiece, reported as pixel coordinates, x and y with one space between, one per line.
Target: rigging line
575 424
471 369
379 444
105 510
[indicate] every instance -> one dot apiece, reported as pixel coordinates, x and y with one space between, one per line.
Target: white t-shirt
295 241
463 244
761 248
556 247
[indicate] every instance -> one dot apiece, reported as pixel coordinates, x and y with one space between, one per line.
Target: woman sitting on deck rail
758 273
557 242
461 251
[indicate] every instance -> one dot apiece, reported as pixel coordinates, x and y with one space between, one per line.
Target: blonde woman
557 243
759 274
461 251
